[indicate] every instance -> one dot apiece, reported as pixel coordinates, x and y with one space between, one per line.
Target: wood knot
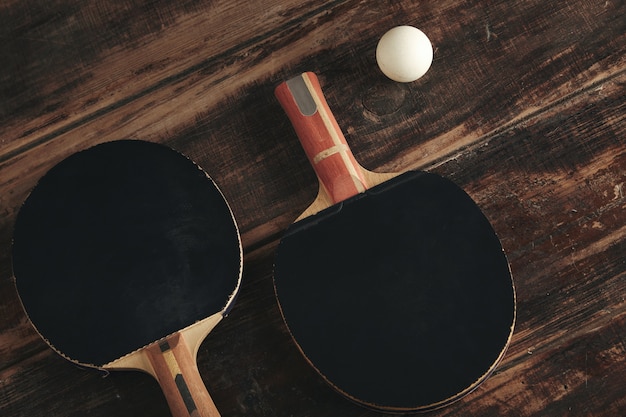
385 98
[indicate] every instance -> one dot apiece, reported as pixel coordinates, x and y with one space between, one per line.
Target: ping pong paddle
125 256
395 287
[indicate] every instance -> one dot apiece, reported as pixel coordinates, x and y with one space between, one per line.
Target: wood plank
422 138
575 277
524 108
104 55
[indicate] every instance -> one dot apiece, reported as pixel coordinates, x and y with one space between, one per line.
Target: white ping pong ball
404 54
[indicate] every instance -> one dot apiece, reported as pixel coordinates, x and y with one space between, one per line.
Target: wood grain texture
178 376
524 107
340 176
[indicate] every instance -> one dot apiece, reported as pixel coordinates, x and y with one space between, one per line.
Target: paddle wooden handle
175 368
324 144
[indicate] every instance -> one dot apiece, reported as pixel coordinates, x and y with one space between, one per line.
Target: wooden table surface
524 107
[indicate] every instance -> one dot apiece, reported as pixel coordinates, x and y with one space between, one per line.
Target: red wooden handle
176 370
339 173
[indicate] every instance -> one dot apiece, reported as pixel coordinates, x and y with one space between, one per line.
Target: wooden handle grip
324 144
176 370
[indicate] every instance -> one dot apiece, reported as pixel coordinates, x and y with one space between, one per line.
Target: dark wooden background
524 107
